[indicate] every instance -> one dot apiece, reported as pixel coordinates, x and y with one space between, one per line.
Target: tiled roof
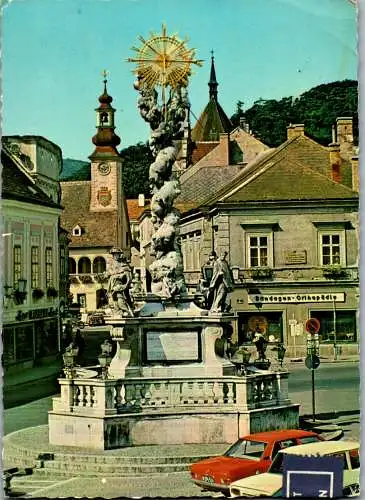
204 183
212 122
202 149
99 229
295 152
287 180
16 185
134 210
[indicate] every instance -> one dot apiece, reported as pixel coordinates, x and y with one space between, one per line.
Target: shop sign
291 298
36 314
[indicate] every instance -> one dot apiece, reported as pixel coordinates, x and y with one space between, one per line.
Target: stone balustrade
100 397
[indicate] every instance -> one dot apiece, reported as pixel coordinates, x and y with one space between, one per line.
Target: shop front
281 316
32 337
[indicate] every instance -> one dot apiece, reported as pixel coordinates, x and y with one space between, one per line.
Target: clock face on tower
104 168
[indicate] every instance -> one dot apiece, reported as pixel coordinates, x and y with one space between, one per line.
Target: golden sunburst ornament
164 60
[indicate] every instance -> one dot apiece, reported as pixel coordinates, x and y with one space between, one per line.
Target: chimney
335 161
345 135
334 138
295 130
355 173
244 125
141 200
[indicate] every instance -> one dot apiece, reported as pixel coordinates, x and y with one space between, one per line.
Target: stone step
24 455
127 460
59 475
116 468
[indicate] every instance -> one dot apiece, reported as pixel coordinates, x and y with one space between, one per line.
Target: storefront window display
8 346
336 325
269 324
46 337
24 342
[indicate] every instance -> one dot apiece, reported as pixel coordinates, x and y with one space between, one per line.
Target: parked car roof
321 447
280 434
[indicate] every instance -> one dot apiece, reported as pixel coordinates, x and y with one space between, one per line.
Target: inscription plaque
295 257
172 346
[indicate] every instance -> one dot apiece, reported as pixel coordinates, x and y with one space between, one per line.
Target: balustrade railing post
64 403
282 387
105 397
242 393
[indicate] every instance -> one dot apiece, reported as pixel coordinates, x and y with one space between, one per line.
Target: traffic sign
312 361
312 476
312 325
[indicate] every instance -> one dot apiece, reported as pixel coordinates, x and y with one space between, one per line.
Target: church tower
106 163
107 194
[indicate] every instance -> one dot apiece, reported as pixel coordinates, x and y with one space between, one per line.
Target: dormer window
76 231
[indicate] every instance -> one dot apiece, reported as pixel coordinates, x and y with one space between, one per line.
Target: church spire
105 138
213 84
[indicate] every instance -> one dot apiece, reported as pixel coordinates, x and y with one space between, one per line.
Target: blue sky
54 52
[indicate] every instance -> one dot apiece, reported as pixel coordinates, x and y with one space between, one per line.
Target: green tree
82 174
317 108
136 162
239 113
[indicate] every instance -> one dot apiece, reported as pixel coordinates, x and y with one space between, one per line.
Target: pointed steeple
213 84
213 121
105 138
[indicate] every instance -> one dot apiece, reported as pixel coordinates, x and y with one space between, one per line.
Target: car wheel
353 490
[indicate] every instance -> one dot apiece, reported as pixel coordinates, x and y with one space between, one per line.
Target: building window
84 265
17 263
76 231
99 265
339 326
81 299
35 267
258 250
72 265
331 250
62 262
190 248
49 267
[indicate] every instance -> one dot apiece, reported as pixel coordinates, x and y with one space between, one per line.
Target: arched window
99 265
71 266
84 265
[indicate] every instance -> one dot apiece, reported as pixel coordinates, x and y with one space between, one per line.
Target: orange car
248 456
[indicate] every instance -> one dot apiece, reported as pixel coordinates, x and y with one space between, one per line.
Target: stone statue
120 280
260 343
166 124
204 282
221 284
136 287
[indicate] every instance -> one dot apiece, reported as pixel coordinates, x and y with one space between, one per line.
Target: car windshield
277 465
246 449
309 439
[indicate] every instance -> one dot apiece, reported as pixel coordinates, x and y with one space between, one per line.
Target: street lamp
105 358
281 354
17 292
69 357
241 359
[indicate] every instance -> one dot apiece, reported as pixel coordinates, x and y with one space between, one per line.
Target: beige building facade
35 253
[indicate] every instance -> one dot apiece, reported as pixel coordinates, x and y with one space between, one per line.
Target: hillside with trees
317 108
75 170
